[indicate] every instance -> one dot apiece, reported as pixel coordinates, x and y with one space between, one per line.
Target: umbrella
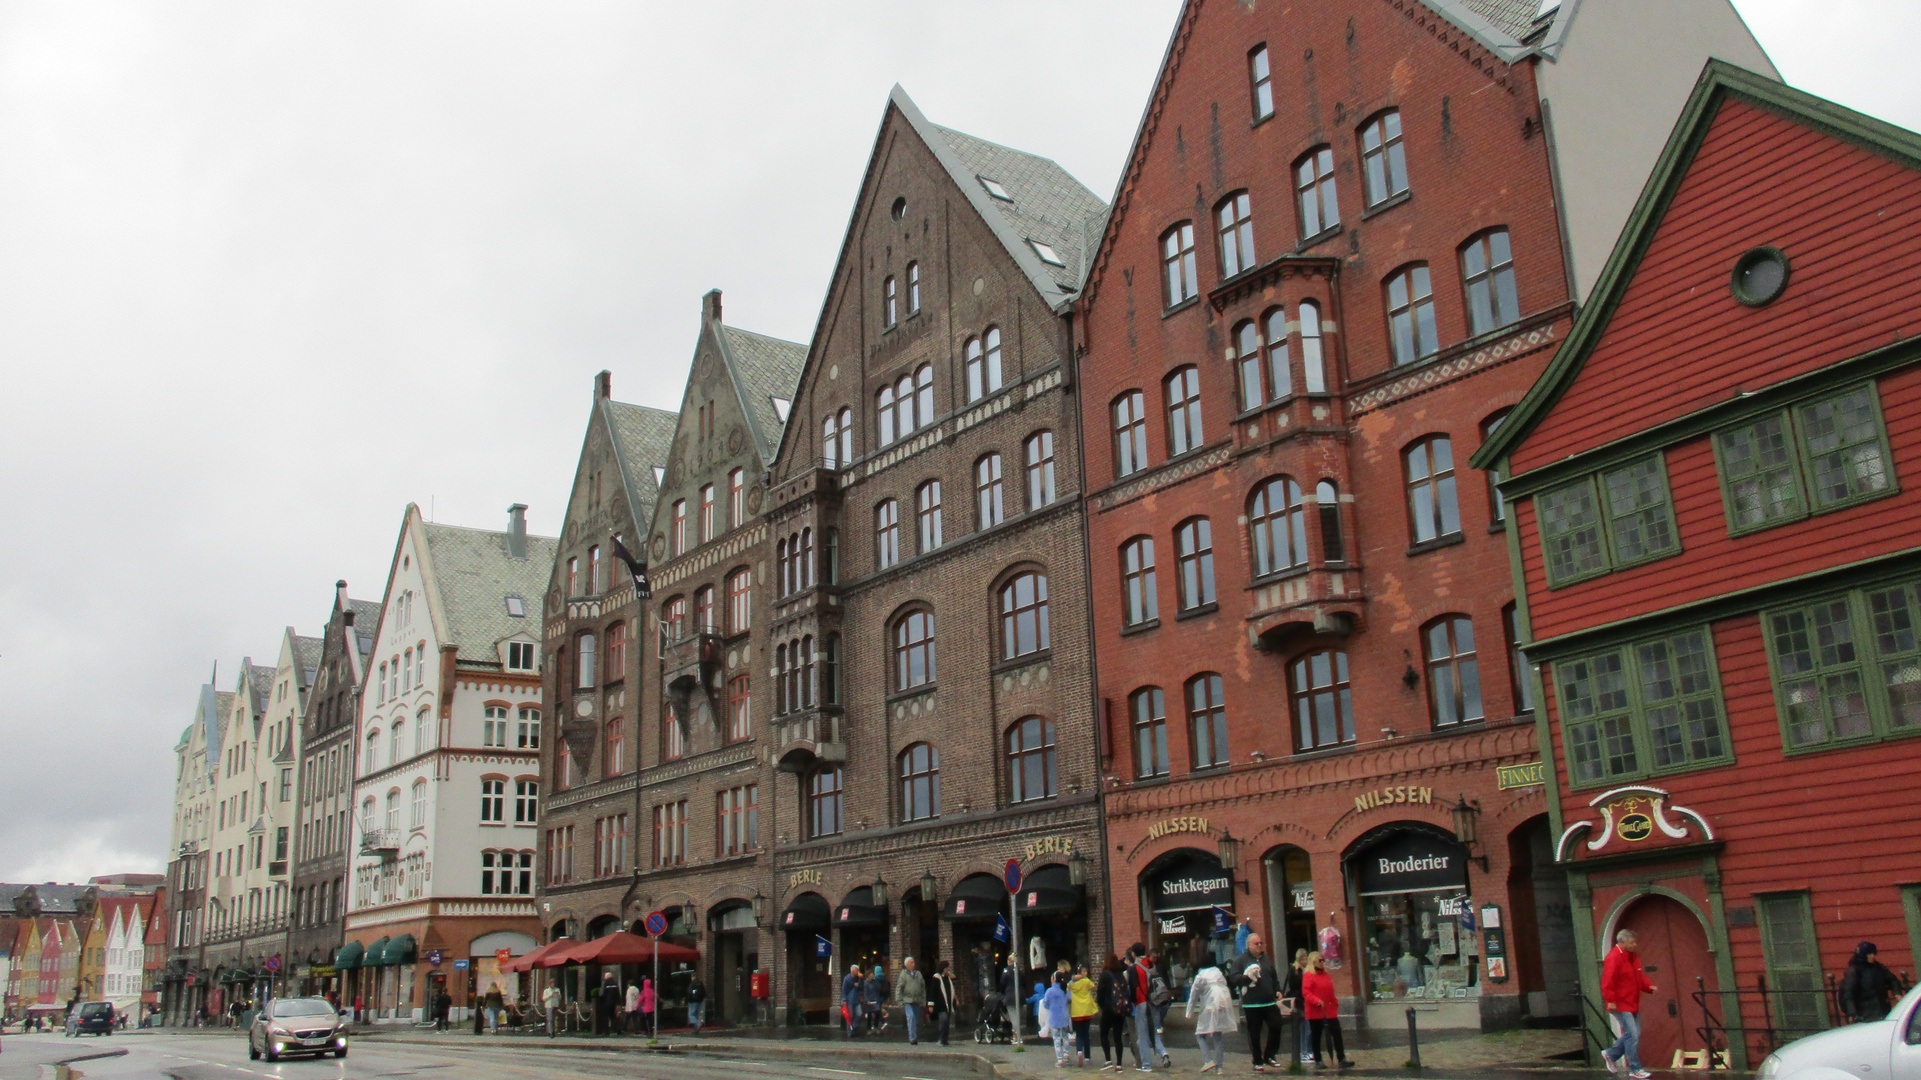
622 947
525 961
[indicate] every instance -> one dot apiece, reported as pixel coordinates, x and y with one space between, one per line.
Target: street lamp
880 892
1230 852
760 909
927 884
1466 828
1077 869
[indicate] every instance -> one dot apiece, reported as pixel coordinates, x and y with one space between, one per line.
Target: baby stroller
992 1026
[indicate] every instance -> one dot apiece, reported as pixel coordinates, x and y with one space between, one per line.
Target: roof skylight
660 475
783 406
1046 252
995 189
516 607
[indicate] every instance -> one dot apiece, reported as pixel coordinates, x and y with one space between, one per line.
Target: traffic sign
657 923
1012 875
273 963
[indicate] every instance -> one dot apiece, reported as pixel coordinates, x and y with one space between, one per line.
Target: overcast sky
269 272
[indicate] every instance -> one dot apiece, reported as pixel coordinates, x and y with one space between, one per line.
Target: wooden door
1674 952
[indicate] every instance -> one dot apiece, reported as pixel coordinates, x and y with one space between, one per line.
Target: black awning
860 915
978 896
1048 890
809 912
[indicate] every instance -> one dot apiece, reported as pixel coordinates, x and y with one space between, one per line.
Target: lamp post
1077 869
1466 828
927 885
880 893
1229 850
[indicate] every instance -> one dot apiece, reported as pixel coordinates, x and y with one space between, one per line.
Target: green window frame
1911 910
1793 957
1647 708
1814 457
1847 668
1611 520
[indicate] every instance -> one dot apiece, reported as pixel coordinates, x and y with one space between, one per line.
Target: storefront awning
1048 891
977 896
808 912
376 954
527 960
860 915
399 950
348 956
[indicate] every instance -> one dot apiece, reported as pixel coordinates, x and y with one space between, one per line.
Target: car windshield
302 1007
95 1008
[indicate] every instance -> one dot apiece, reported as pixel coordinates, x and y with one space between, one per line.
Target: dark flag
642 589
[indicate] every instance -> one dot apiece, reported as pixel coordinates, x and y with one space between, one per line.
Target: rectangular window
737 817
616 762
670 833
706 512
526 802
1616 519
616 666
886 534
1794 962
1821 455
740 709
927 514
736 499
1643 709
1259 76
593 570
1177 260
678 529
1847 668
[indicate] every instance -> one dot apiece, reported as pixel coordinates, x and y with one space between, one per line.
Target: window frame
1260 77
1635 710
1018 754
1869 664
1186 432
1433 481
1454 663
1139 582
1152 725
1418 309
740 709
1491 277
913 288
816 796
1801 460
740 601
1012 613
1179 266
913 643
1266 557
1321 189
1234 234
1392 153
889 303
1781 975
1610 560
1212 711
927 516
990 492
886 534
919 782
1127 416
1202 559
1340 687
1039 452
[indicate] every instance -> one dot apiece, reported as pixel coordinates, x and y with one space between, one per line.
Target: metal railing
1783 1015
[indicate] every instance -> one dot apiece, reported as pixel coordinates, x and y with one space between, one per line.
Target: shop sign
1192 888
1176 825
1412 862
1173 925
434 957
1048 845
803 877
1303 896
1531 774
1393 795
1632 815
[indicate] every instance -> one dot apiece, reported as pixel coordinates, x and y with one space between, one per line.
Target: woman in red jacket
1323 1008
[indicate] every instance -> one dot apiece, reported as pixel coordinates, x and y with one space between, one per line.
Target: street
224 1057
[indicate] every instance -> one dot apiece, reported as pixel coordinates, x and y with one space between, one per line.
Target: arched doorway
1417 933
810 982
862 925
1187 900
1674 953
601 927
920 930
1542 939
976 906
1053 914
1290 902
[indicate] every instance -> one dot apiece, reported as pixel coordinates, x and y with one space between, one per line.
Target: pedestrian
850 1003
1253 974
633 1009
443 1005
1082 1008
874 997
1139 973
911 994
1160 998
480 1019
495 1003
941 1000
1291 1004
607 1005
1868 989
1011 996
1209 996
1111 994
1060 1019
1622 984
696 1003
1324 1013
550 1004
649 1008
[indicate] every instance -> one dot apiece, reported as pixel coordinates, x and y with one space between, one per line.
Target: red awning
623 947
528 960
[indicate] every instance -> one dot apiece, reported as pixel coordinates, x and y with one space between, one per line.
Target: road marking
843 1072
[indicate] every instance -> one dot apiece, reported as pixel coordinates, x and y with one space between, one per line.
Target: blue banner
1001 933
1223 922
822 946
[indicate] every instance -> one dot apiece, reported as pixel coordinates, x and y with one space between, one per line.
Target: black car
297 1026
90 1018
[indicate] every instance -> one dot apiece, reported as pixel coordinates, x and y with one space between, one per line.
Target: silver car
1887 1049
297 1026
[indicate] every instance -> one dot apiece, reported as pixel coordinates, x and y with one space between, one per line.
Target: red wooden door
1674 951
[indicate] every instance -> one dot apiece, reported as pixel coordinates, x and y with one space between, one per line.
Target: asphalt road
151 1056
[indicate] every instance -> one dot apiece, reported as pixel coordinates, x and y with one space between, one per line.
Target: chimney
341 603
604 385
710 304
517 530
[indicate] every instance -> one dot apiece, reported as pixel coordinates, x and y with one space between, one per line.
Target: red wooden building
1334 262
1714 492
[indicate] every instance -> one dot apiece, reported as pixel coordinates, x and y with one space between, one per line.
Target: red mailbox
757 984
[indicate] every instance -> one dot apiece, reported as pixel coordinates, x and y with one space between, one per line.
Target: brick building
927 494
1336 258
1714 494
185 981
699 839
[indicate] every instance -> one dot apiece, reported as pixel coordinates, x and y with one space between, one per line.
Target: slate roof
54 899
1513 17
366 617
260 680
643 438
764 368
474 575
1049 205
306 657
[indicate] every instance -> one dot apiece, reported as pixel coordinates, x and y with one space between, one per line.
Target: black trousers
1114 1026
1263 1032
1330 1029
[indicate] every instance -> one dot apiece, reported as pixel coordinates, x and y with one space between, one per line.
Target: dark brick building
931 705
1334 262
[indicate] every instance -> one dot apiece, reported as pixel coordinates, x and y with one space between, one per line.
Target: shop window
1821 455
1453 674
1612 520
1277 526
1413 896
1642 709
1030 760
919 783
1323 700
1148 710
1207 721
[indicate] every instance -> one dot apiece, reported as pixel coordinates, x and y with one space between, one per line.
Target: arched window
1024 615
1313 369
1383 160
373 750
407 670
783 566
398 741
1147 712
1040 469
1194 548
983 355
1487 279
418 819
1314 183
1433 512
1030 760
1177 263
914 650
913 288
1279 372
584 661
493 801
1207 720
976 373
886 534
884 413
1277 524
1137 581
924 393
740 601
423 732
367 815
1323 700
1235 217
830 442
1328 498
823 802
1410 314
991 506
1130 433
614 761
919 783
1247 365
1183 410
927 516
1453 675
889 303
704 620
784 698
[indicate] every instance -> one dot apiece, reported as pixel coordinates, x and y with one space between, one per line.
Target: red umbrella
622 947
526 961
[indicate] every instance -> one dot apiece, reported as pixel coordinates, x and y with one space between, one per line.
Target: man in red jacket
1622 984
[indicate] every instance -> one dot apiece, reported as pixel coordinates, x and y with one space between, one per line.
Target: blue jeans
1213 1048
1144 1038
913 1021
1629 1044
696 1014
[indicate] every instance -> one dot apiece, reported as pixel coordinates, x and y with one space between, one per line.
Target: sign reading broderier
1411 862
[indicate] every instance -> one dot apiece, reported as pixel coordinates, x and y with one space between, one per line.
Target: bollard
1300 1017
1413 1041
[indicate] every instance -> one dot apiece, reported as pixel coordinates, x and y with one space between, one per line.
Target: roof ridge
477 529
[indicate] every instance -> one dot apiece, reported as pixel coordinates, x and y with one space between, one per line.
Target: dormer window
995 189
1046 252
520 656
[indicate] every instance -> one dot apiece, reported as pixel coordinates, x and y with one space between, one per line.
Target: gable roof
763 368
257 680
642 438
1719 82
473 575
306 658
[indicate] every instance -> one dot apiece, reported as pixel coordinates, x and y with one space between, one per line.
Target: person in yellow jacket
1082 1008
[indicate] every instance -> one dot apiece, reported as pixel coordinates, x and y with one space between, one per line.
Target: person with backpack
1160 998
1137 973
1116 1005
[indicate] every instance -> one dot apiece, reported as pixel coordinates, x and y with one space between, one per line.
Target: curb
740 1048
62 1069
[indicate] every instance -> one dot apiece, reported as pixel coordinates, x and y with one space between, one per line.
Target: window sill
1141 627
1182 306
1039 656
922 690
1497 526
1325 752
1387 204
1436 544
1210 770
1196 612
1318 238
1259 120
1277 576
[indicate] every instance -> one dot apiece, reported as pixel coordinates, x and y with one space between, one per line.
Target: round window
900 207
1760 276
